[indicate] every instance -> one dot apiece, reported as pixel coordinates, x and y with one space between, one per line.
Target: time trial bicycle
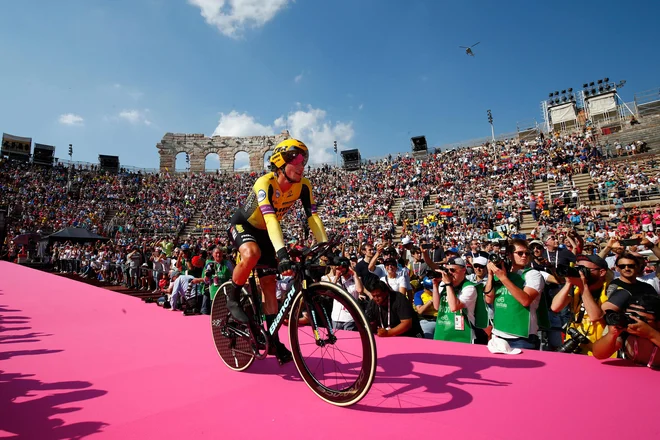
339 366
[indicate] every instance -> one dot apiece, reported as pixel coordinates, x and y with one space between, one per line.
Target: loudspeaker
109 163
418 143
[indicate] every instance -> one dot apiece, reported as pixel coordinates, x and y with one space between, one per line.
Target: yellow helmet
288 150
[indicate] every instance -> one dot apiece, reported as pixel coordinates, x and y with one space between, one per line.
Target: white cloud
240 124
135 117
71 119
232 16
307 124
312 127
360 107
298 78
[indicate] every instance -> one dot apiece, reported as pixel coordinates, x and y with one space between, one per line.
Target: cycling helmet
427 283
287 151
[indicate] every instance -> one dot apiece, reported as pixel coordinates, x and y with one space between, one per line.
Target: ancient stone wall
199 146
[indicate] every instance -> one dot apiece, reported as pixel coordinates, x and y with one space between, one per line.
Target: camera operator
342 275
623 289
516 296
584 295
217 271
636 331
454 298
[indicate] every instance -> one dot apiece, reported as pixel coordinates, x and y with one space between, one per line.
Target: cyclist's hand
284 267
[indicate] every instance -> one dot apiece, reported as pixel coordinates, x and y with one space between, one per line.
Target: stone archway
198 146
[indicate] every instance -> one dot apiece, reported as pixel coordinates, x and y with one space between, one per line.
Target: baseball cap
176 273
499 345
406 240
480 260
453 250
595 259
458 261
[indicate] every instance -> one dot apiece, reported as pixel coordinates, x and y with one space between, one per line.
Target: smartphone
427 246
630 242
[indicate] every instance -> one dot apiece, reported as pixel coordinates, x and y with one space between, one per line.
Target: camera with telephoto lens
430 273
573 344
496 259
621 319
564 270
210 270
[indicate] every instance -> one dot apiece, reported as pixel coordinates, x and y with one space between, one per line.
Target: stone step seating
648 131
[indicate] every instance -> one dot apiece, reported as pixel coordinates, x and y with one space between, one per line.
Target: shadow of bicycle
408 383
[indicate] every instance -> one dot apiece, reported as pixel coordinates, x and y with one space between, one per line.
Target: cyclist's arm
313 219
264 198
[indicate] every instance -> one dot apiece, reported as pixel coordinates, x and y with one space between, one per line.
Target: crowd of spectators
479 197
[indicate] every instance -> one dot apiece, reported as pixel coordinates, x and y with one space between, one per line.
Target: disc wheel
234 349
341 368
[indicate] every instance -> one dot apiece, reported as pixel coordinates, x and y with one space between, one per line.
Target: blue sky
112 77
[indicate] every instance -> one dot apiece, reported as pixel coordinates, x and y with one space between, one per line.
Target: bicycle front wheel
339 366
231 340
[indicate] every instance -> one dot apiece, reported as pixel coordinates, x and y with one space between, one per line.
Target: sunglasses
626 266
523 253
452 270
478 266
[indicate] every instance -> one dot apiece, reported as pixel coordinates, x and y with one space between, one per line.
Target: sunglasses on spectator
452 270
522 253
626 266
478 266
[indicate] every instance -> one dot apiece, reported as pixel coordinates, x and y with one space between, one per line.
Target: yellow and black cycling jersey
267 204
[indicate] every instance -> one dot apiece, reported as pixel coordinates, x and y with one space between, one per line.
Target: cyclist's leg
250 254
267 281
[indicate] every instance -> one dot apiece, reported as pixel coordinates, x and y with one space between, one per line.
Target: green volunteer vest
480 309
510 316
222 271
445 329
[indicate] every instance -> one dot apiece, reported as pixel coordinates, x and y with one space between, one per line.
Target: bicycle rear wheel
338 366
231 339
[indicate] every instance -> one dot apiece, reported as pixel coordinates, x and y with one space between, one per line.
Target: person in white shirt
392 278
341 274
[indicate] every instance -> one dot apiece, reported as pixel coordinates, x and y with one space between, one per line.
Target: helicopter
468 50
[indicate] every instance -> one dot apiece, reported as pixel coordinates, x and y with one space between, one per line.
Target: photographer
516 295
344 276
625 288
584 292
636 331
454 298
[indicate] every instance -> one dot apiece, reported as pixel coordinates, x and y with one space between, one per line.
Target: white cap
499 345
406 240
480 260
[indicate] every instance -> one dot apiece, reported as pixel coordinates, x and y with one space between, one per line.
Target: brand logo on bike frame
285 308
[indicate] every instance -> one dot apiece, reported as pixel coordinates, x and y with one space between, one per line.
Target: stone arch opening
212 162
267 155
241 161
180 163
173 147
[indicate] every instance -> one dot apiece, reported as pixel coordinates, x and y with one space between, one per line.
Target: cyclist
256 232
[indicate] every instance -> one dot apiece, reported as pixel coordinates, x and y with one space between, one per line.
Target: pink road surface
78 361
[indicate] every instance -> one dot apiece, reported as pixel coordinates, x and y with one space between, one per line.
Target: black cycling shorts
246 233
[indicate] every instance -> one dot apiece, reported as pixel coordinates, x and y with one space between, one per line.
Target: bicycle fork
316 316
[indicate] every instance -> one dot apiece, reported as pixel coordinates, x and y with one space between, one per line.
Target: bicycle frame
299 284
